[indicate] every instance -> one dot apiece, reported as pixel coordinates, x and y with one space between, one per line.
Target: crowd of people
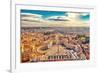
54 46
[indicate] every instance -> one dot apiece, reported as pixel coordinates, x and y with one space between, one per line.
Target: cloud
58 18
31 17
77 16
72 15
84 14
69 19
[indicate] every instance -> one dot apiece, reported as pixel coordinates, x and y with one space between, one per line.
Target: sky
45 14
54 15
45 18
